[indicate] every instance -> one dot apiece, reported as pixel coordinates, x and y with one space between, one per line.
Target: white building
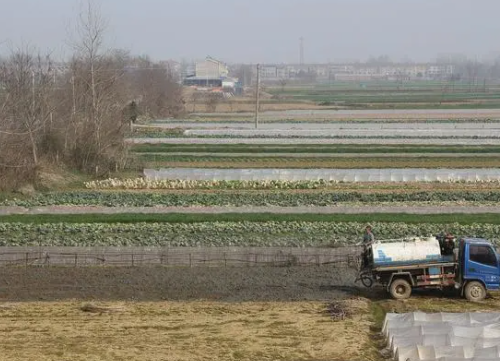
439 70
211 68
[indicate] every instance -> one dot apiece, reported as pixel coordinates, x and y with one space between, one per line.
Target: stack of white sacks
419 336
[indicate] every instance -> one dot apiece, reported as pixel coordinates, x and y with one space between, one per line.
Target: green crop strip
188 218
284 233
304 148
244 198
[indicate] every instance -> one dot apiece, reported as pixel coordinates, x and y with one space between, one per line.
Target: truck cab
478 268
473 267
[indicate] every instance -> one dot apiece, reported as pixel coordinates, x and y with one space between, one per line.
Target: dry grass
247 105
183 331
425 303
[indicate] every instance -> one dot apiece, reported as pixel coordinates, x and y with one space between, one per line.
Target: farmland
391 95
249 310
154 207
252 230
229 162
198 314
133 198
187 330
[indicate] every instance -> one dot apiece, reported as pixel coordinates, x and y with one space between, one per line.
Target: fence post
317 260
76 259
190 259
27 259
132 260
225 260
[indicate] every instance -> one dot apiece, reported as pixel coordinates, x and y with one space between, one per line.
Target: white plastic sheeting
419 336
424 133
341 175
352 125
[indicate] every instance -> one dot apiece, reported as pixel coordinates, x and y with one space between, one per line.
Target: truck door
481 264
461 262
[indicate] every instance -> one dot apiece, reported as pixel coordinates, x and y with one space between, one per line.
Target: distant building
212 74
439 71
207 73
211 68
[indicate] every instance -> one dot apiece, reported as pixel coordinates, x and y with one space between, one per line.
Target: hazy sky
267 30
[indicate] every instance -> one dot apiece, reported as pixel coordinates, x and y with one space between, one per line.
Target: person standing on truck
449 244
368 237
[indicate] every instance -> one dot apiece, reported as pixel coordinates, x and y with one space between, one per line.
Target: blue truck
470 265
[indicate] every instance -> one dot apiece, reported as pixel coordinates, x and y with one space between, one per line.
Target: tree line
77 115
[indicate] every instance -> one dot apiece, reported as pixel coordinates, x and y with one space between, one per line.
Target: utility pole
74 95
257 97
301 51
33 90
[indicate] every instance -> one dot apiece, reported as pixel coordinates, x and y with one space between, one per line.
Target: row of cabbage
283 234
151 183
242 198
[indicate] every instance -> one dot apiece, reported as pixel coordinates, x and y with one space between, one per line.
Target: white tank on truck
415 250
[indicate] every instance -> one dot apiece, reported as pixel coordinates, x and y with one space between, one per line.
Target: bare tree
98 96
80 114
195 96
212 100
27 83
156 87
283 82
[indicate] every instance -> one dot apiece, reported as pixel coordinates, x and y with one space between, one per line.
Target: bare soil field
254 313
238 284
178 331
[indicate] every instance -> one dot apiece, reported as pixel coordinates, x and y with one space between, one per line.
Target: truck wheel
366 281
400 289
475 291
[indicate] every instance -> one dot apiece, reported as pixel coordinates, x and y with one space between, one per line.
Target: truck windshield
483 254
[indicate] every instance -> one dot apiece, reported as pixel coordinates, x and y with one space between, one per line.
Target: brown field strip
183 331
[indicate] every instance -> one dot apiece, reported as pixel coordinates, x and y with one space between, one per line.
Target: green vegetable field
283 234
281 198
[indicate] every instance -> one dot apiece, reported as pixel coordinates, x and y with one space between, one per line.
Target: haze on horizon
250 31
